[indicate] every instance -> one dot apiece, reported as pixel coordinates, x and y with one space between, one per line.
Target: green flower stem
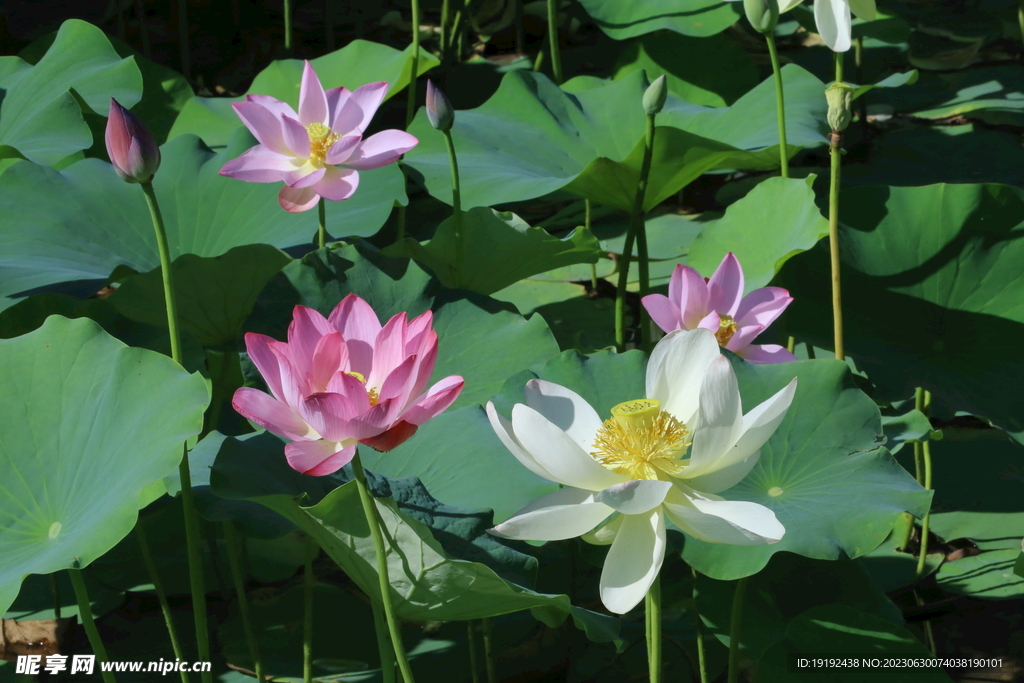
908 532
55 591
456 207
927 457
538 61
410 103
384 647
652 606
445 30
372 519
192 537
288 27
636 227
321 232
485 624
234 548
85 612
918 452
161 595
780 104
735 620
835 153
183 39
140 12
698 626
474 665
556 57
312 550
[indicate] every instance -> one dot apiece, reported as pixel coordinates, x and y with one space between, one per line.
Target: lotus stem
734 630
161 594
456 207
652 606
321 232
780 104
55 590
85 612
698 626
474 665
192 532
288 27
410 104
373 520
485 625
384 646
312 550
927 458
445 29
234 547
635 231
556 57
140 10
835 153
183 42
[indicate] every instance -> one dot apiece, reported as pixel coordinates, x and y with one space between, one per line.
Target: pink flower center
321 139
726 329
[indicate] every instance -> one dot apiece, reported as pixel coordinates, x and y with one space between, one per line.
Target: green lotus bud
655 96
840 111
763 15
439 109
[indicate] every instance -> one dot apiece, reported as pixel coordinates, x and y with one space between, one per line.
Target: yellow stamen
726 329
371 393
321 139
641 441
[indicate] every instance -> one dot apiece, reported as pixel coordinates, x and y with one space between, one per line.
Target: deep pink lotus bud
131 148
343 381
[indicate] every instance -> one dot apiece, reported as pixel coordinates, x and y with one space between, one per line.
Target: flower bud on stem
839 96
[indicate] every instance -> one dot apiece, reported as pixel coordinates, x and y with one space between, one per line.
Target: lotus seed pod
655 96
131 148
840 111
439 109
763 15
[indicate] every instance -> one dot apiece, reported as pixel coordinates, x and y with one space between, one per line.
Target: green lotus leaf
84 433
40 118
102 222
358 63
990 574
532 138
498 250
622 20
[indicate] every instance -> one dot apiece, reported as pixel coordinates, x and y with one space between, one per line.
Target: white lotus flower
667 454
833 18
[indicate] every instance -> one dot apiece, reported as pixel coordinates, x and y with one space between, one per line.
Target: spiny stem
161 595
288 27
488 650
55 590
927 457
384 646
835 153
734 630
780 104
474 665
321 233
456 208
192 533
312 550
410 104
556 57
373 520
636 227
234 548
85 612
445 30
698 625
652 605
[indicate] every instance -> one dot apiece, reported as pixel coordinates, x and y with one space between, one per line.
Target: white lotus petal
720 421
605 534
676 370
834 23
712 519
565 409
723 479
566 513
633 561
635 497
503 428
761 422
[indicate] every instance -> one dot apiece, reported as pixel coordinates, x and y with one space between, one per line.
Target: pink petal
259 164
427 360
297 199
435 401
712 321
353 114
269 413
417 333
275 106
358 324
258 346
381 149
294 384
336 98
399 382
374 421
353 390
304 333
726 286
763 306
263 123
318 458
329 414
392 438
766 353
303 177
312 101
329 356
341 150
688 291
388 350
337 183
664 314
743 336
296 137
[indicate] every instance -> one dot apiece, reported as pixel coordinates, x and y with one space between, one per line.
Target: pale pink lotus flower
717 304
319 151
345 380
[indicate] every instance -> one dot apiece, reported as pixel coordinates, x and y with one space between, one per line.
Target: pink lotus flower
319 151
345 380
717 304
130 146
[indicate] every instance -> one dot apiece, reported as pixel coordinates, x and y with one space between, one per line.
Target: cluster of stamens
726 329
640 440
321 139
371 393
